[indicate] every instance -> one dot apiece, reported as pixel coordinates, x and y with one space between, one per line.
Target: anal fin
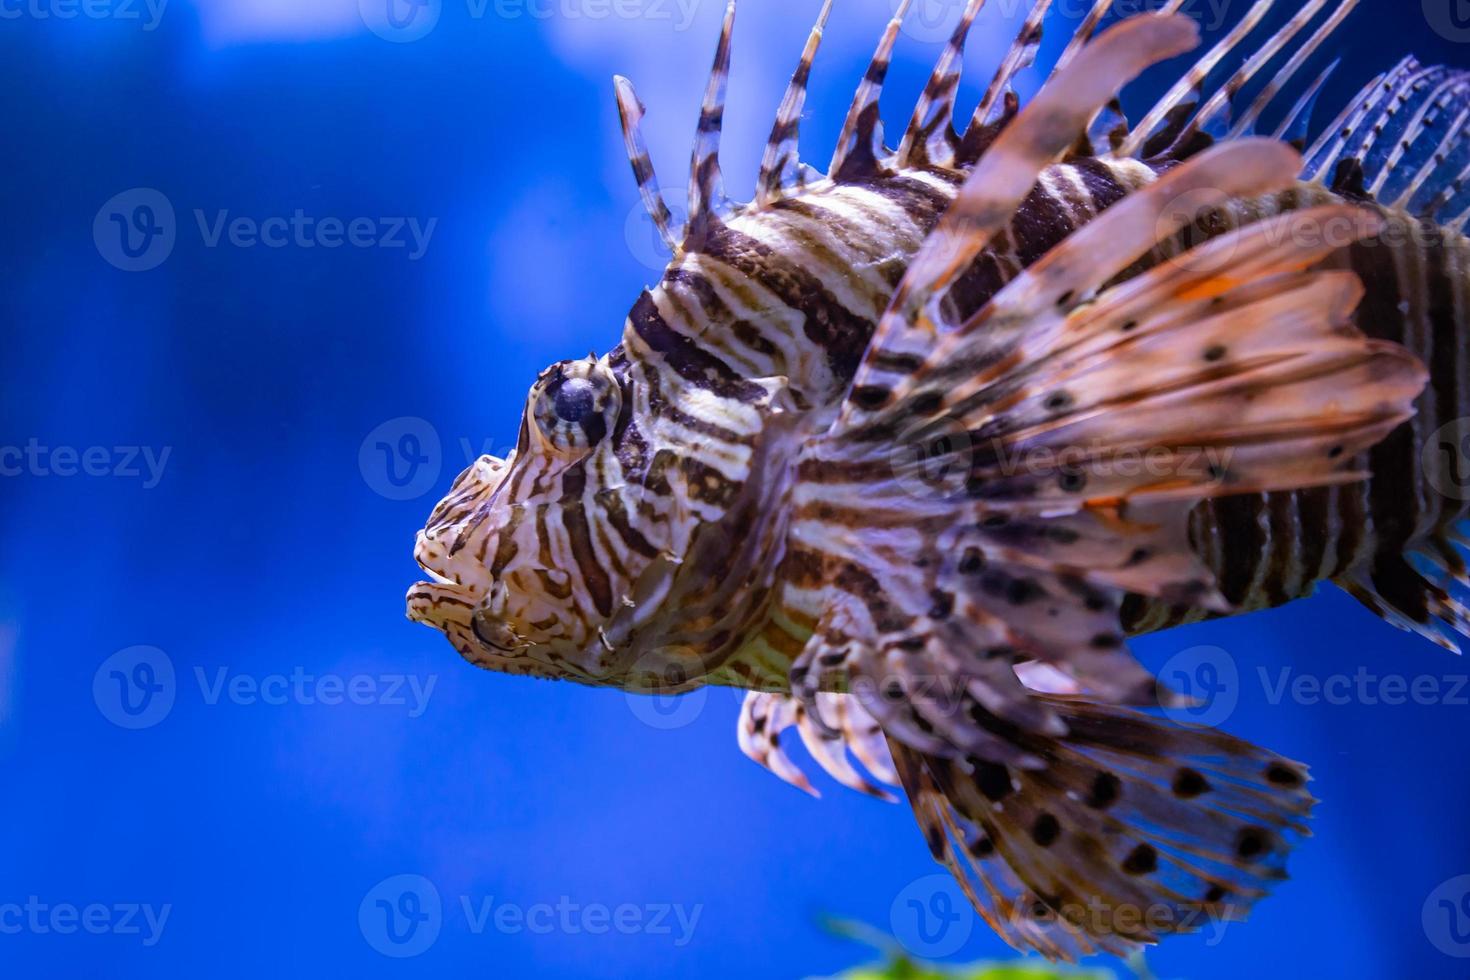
1137 828
1403 596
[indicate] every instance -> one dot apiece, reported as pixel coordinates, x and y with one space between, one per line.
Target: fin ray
781 161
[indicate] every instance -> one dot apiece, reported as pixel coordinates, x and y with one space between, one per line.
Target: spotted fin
970 512
1403 142
1134 829
989 453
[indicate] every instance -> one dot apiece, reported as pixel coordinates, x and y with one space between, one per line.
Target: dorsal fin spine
630 113
781 163
1220 100
1022 52
706 190
930 137
1245 125
1295 124
862 130
1192 80
1082 35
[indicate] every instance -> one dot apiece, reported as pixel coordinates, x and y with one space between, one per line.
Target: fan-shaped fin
1377 99
1005 174
1403 141
1232 368
1136 829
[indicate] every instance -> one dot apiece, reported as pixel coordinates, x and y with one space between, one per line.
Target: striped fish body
795 291
1268 549
859 451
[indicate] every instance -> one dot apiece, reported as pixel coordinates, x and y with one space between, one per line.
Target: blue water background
275 541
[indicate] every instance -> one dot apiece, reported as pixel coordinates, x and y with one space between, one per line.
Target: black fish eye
575 404
575 399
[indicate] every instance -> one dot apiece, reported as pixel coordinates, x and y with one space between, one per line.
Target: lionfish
862 451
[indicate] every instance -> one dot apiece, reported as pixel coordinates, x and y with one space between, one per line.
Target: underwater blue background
211 705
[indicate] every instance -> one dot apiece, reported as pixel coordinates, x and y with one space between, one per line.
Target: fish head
536 559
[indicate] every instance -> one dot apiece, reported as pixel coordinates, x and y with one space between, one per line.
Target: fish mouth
457 612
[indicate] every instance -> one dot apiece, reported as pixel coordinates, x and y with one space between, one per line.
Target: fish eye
575 404
575 399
